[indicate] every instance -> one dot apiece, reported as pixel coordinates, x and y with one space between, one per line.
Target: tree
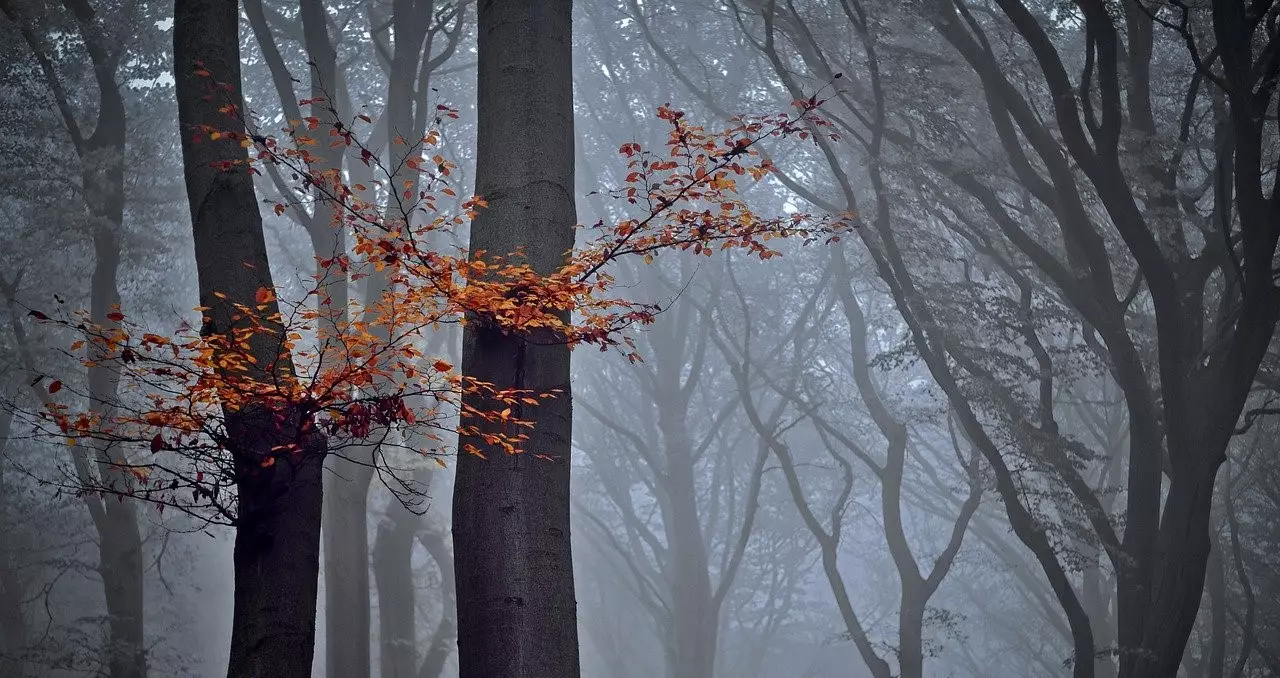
917 588
278 531
101 156
1163 261
1215 306
242 413
409 66
517 614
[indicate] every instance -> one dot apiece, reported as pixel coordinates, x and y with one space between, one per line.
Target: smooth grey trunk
276 559
393 576
517 615
393 549
695 615
1094 597
435 539
694 625
1217 590
346 566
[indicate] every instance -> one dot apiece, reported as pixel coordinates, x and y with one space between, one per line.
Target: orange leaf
442 366
115 316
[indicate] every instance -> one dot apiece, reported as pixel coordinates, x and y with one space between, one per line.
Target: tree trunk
397 611
119 539
695 620
1217 586
393 575
346 484
1094 598
1182 556
277 546
277 549
517 614
436 541
346 567
121 567
911 634
13 623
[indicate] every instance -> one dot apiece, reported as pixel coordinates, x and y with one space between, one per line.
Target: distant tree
100 152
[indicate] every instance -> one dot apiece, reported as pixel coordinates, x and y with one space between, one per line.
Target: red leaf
157 443
55 386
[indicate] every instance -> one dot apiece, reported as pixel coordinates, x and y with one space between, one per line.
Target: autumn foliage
361 374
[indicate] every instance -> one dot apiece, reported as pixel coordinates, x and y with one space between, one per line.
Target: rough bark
276 560
517 614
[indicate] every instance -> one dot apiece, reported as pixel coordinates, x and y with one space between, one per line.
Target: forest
639 338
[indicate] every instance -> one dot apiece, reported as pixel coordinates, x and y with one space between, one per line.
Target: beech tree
278 530
412 40
1183 245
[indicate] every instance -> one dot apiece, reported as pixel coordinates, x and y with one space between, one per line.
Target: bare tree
101 154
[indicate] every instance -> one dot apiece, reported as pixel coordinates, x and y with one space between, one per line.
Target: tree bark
276 560
1217 585
517 614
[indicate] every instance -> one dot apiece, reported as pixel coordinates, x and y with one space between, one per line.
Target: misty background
787 485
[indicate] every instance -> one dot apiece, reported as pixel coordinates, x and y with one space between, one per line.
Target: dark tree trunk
517 614
277 545
121 567
1217 585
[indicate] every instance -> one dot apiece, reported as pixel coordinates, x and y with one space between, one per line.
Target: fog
997 400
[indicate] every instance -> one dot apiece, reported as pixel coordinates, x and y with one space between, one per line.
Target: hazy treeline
1018 421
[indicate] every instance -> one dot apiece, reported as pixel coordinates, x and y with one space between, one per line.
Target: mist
893 339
